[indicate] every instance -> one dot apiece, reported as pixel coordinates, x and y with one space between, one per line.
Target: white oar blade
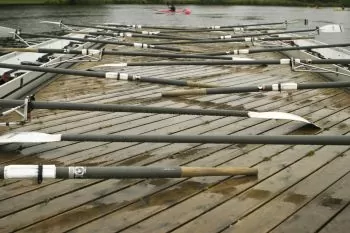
51 22
29 137
332 28
277 116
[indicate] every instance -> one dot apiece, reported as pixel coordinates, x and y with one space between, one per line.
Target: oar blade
29 137
51 22
332 28
279 116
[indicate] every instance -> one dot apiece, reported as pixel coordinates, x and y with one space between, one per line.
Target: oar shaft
127 172
275 140
108 52
122 108
272 87
278 49
104 41
109 75
241 62
246 39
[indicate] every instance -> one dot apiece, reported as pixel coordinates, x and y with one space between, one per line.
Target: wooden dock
302 188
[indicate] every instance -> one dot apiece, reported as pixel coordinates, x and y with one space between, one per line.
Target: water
28 17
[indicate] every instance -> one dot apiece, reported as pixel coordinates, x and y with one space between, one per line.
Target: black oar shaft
104 41
278 49
246 39
122 108
108 52
276 140
99 74
109 75
273 87
242 62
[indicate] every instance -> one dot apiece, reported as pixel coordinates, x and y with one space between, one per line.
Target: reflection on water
28 18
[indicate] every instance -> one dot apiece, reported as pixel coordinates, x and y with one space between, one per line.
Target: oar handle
34 50
217 171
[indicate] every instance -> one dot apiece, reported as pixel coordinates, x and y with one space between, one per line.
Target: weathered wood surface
299 188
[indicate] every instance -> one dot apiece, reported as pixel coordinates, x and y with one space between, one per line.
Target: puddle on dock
332 202
295 198
229 186
258 194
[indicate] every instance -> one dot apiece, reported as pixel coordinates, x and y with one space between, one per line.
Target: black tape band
40 173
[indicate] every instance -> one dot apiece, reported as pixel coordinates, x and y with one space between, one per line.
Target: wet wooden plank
292 199
340 223
316 213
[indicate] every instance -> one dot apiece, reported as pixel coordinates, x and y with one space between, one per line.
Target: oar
37 137
138 26
260 88
235 29
108 28
41 172
284 61
245 39
137 45
326 28
129 34
278 49
105 74
106 52
146 109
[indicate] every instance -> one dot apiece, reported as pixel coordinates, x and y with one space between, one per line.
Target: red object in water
186 11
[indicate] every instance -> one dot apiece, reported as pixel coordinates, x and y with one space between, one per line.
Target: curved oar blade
29 137
331 28
278 116
51 22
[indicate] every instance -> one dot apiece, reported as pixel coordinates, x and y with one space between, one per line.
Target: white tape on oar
29 137
112 65
226 37
28 171
90 51
241 51
285 87
140 45
277 116
284 61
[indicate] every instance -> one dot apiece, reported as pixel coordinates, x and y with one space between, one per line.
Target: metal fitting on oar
41 172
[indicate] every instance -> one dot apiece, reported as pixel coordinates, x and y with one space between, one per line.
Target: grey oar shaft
123 108
273 87
41 172
103 41
107 52
241 62
278 49
99 74
103 74
281 139
130 34
184 28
